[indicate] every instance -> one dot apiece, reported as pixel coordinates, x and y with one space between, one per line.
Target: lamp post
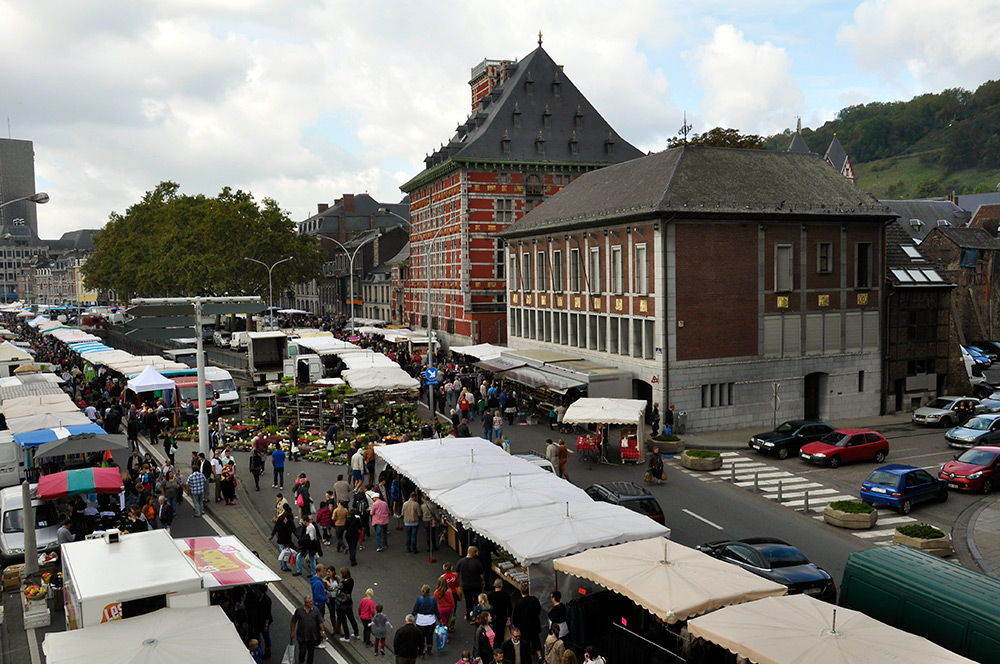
350 265
427 269
270 286
38 198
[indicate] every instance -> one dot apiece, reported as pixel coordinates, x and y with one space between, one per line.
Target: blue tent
42 436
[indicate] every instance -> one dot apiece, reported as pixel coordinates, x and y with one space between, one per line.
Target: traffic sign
431 375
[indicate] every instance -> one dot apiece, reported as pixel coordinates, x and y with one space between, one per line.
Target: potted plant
925 537
850 514
668 443
701 460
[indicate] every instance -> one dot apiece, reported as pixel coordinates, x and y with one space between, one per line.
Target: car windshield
191 392
785 556
979 423
646 506
884 478
787 427
978 457
836 439
940 404
226 385
13 520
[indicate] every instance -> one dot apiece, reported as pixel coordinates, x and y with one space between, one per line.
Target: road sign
431 375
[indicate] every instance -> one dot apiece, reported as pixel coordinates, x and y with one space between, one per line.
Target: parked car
991 348
901 487
846 445
991 402
978 352
948 411
977 469
978 357
630 495
778 561
980 430
221 338
789 437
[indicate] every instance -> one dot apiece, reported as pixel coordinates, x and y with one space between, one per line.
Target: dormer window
578 119
574 145
540 144
547 117
517 116
555 85
609 146
916 224
529 84
505 143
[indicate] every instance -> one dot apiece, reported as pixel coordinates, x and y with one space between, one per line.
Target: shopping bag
285 554
292 556
289 656
440 636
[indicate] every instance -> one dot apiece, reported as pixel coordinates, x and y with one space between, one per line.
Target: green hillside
921 175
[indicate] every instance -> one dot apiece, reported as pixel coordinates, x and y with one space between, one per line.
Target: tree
176 245
721 138
929 188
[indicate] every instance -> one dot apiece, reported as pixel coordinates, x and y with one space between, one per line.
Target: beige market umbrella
799 629
671 580
26 368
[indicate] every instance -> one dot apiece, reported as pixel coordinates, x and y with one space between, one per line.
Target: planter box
701 463
665 446
849 520
940 546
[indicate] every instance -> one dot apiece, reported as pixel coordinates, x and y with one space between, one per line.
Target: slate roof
984 212
402 255
836 154
78 240
357 221
798 144
927 212
535 93
971 202
970 238
908 268
699 181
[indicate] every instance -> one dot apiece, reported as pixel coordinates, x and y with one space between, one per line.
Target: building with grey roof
919 216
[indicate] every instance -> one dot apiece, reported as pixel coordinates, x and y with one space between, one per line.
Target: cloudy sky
303 100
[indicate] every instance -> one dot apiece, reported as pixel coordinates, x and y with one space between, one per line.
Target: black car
789 437
777 561
630 495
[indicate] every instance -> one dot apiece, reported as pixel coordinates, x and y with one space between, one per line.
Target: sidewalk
740 438
984 537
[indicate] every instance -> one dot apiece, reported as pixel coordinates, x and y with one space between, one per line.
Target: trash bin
680 422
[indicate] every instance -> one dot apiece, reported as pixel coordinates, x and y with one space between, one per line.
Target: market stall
80 481
224 561
150 380
629 413
167 636
799 628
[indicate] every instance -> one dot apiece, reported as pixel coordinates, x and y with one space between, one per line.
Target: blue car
901 487
978 356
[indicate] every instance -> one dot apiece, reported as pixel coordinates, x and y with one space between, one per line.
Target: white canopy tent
150 380
799 629
609 411
496 495
36 404
670 580
46 421
380 378
480 351
537 534
201 635
440 450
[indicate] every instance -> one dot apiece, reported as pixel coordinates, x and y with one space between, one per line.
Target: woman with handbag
484 639
426 611
446 601
282 531
345 605
302 499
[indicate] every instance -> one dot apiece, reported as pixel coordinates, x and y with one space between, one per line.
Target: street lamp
350 265
427 269
41 198
270 287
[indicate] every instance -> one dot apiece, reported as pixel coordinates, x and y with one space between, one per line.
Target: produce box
12 577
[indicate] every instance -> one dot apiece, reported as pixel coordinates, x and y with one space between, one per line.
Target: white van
239 341
227 396
11 460
12 525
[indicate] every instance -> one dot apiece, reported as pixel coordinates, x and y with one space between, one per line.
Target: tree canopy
177 245
720 138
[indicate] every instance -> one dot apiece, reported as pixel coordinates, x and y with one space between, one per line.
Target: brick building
717 277
531 132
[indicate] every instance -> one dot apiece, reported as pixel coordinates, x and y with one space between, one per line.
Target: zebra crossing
793 491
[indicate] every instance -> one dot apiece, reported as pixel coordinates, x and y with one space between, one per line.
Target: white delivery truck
266 352
227 398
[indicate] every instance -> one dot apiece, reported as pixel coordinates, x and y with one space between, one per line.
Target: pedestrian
278 463
256 468
324 521
462 430
165 513
307 630
429 517
552 453
563 458
487 422
255 651
497 426
319 589
425 608
445 602
654 419
560 415
554 646
515 649
366 611
293 439
352 535
590 655
132 431
171 488
282 531
339 518
557 614
308 545
499 599
229 482
358 468
380 630
484 638
217 468
408 644
411 521
380 519
342 490
668 420
654 474
482 606
526 617
195 461
302 497
345 604
471 578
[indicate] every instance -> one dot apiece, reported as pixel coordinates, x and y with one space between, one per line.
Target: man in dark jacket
408 643
526 617
499 599
516 650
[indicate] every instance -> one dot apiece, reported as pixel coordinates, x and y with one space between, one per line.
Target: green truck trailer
955 607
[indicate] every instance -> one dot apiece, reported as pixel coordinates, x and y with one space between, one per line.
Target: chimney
348 202
321 208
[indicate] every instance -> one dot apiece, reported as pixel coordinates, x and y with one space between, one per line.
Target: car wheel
835 462
879 456
905 506
946 423
987 486
782 452
942 495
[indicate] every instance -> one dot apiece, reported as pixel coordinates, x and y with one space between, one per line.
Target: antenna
685 129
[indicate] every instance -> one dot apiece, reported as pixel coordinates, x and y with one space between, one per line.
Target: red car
977 469
844 445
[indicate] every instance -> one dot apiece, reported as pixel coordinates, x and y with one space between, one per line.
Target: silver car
12 525
980 430
948 411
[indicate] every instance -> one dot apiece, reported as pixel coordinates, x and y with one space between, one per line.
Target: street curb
970 540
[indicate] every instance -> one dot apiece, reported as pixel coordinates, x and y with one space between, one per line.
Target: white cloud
746 86
926 45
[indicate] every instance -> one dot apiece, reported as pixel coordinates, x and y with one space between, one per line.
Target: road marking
916 456
701 518
814 490
895 519
786 481
814 503
872 534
